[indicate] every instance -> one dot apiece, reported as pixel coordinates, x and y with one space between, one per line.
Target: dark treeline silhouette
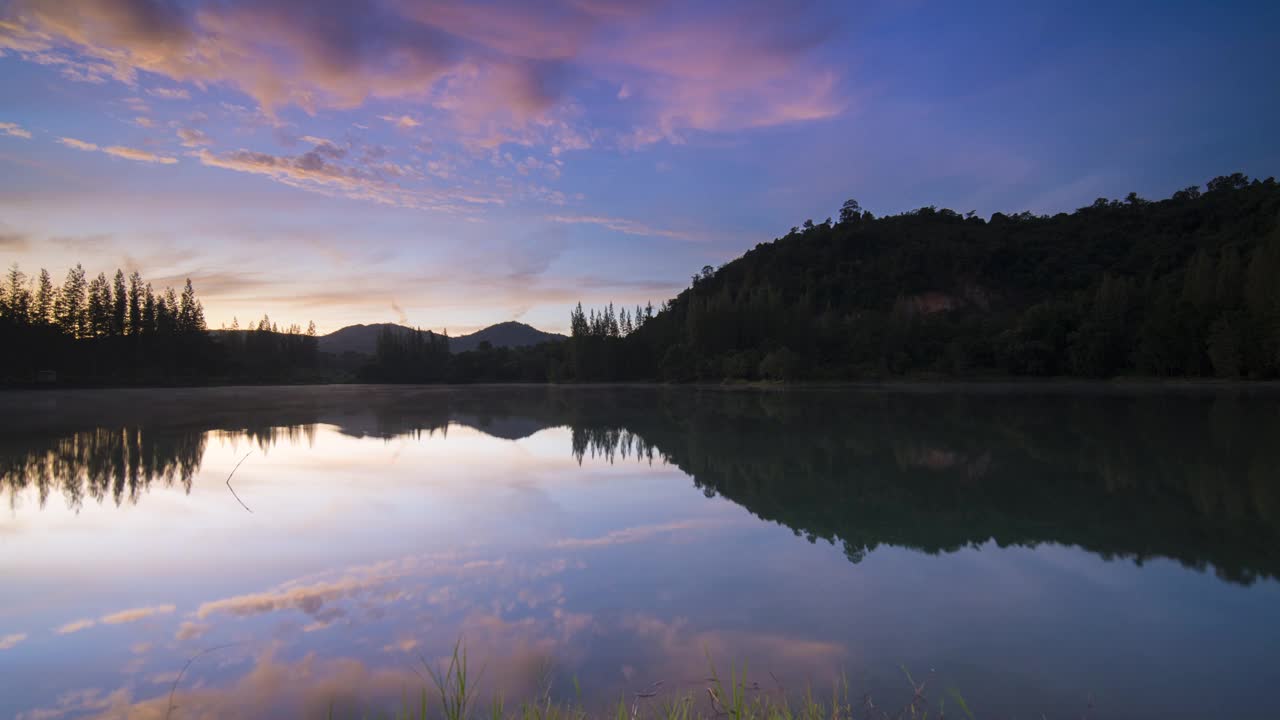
1179 287
1192 476
124 330
1183 287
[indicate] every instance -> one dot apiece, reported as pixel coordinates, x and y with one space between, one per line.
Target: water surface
1038 550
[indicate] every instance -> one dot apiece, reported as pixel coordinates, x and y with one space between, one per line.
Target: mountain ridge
363 338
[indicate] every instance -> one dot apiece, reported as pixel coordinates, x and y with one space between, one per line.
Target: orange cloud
191 137
129 153
14 130
309 599
404 122
78 144
8 641
75 626
190 631
119 151
136 614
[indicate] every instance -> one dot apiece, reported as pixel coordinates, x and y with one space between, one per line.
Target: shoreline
1010 383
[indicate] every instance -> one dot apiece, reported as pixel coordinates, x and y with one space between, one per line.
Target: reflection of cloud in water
518 654
682 650
516 616
639 533
191 631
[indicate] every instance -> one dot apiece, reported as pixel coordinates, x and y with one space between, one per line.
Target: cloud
401 317
191 137
622 225
320 169
191 631
309 599
404 122
627 535
75 626
119 151
78 144
14 130
136 614
129 153
169 93
12 239
143 121
8 641
499 69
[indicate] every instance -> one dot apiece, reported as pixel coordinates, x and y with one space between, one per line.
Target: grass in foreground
454 692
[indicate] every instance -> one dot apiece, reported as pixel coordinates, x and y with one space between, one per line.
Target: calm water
1032 549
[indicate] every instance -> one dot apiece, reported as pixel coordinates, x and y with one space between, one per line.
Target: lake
1056 550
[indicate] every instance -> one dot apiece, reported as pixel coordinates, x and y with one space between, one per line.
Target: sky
451 165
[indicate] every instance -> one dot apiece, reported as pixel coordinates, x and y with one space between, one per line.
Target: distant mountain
505 334
364 338
356 338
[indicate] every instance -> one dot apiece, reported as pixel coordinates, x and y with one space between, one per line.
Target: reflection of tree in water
120 462
1190 477
124 460
610 443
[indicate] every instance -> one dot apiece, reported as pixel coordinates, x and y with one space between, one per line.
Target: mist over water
1032 547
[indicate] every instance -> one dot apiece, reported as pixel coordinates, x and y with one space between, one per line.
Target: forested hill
509 334
1188 286
363 339
1183 287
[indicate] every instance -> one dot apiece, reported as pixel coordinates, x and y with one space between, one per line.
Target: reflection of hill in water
1192 477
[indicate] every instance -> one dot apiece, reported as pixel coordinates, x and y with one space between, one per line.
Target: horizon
458 166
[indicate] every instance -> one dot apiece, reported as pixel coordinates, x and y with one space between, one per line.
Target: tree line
96 308
125 330
1182 287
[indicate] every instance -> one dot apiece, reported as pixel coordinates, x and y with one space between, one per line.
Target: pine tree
167 312
46 298
190 311
148 310
17 298
135 303
71 309
99 307
119 305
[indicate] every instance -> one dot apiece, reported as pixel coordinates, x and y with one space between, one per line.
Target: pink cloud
494 67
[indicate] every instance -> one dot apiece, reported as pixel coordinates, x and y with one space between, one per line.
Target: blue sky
451 165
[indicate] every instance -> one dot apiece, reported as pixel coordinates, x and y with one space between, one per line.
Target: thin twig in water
233 490
193 658
649 691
